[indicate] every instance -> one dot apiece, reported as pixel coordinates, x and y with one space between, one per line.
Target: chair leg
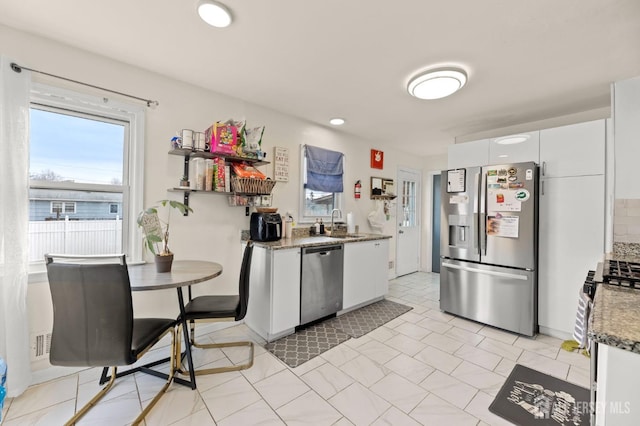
81 412
215 370
172 369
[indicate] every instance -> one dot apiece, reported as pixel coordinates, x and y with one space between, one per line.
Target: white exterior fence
74 237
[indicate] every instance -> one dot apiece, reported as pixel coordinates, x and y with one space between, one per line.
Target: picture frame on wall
377 159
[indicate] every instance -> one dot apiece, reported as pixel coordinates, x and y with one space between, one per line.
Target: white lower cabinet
274 295
365 272
571 241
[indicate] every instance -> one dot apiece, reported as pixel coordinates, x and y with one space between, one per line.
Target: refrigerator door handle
475 212
482 225
486 272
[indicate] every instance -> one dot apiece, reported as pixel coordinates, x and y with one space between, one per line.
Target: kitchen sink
347 236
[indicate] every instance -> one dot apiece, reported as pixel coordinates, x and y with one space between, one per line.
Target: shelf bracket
186 202
186 167
246 211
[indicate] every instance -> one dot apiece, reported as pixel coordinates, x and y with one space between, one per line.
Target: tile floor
424 367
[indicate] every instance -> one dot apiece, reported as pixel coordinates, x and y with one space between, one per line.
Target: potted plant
184 182
156 231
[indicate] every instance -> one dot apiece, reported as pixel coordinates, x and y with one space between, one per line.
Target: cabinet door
571 242
468 154
285 290
359 284
502 151
574 150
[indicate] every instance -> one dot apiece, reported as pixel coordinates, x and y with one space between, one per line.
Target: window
316 203
60 207
85 175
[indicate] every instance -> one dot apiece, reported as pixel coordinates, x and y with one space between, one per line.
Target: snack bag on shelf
243 170
253 140
223 138
220 178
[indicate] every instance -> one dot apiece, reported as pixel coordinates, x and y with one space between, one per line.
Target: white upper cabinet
468 154
515 148
574 150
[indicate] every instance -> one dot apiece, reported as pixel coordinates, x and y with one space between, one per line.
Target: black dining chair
93 322
221 308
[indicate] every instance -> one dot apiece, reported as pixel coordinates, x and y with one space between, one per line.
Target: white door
408 219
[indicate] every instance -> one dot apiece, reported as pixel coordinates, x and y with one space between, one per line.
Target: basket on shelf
252 186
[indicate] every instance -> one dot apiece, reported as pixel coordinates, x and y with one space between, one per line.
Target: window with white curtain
85 164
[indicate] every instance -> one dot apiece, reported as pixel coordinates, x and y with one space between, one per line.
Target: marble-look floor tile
327 380
208 381
479 357
471 326
478 377
118 411
574 358
579 376
479 407
264 366
57 414
177 403
309 409
305 367
436 358
409 368
44 395
435 411
394 417
355 343
499 335
499 348
438 315
417 308
442 342
449 389
464 336
411 317
381 334
543 364
504 367
378 352
400 392
394 322
200 418
227 398
339 355
257 413
281 388
412 330
537 347
435 325
364 370
406 344
358 404
121 386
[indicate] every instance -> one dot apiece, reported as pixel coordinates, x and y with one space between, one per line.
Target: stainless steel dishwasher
321 282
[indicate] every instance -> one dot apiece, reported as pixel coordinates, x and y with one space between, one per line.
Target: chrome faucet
340 216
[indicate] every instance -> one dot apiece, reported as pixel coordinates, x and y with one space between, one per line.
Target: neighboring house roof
40 194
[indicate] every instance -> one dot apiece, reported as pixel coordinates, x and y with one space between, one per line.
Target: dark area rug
306 344
532 398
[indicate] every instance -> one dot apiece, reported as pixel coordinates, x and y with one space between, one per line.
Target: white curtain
14 217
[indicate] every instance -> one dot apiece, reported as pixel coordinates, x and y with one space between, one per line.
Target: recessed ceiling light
337 121
502 156
513 139
437 83
214 13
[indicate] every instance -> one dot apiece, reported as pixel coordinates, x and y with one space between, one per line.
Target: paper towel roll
351 226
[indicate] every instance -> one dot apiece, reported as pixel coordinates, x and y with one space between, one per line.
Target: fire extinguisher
356 189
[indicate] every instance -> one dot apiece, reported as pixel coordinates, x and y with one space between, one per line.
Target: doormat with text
306 344
531 398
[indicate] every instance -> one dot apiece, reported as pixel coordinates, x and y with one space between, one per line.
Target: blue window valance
324 169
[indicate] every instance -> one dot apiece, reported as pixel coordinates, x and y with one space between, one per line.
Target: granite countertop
318 240
615 317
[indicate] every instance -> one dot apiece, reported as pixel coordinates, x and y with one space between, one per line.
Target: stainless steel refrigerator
489 245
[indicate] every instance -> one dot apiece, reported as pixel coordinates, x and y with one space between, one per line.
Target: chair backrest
245 273
92 311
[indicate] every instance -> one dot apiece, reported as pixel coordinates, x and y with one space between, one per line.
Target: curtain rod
18 68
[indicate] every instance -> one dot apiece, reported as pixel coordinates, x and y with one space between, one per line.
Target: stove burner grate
621 273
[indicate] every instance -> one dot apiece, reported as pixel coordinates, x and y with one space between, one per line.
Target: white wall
626 109
212 232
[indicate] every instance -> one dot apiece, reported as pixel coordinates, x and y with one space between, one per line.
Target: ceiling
526 60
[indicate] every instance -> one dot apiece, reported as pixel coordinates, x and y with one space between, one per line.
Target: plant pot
163 263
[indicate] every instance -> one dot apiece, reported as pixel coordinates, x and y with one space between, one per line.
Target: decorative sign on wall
377 159
281 164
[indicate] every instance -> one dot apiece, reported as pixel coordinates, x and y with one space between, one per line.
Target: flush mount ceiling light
437 83
214 13
513 139
337 121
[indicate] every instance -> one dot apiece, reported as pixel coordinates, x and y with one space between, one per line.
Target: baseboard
558 334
